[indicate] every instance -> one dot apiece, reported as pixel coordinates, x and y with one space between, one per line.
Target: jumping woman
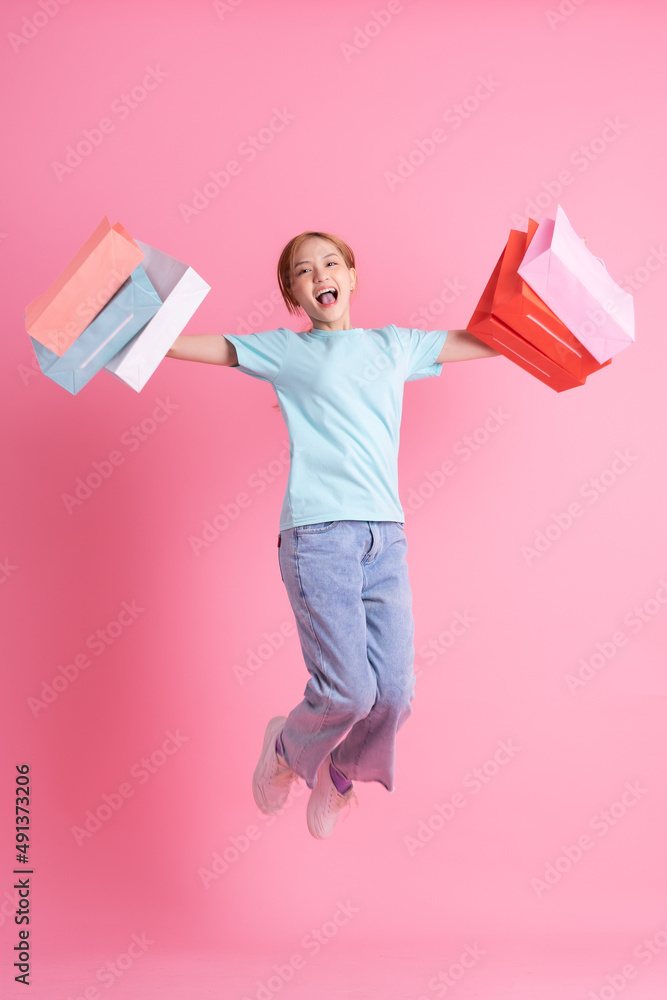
341 542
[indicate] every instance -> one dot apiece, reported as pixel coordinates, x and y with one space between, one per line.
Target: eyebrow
308 262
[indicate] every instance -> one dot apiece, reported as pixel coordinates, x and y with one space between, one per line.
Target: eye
332 262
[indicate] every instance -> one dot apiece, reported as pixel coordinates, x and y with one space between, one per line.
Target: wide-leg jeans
348 585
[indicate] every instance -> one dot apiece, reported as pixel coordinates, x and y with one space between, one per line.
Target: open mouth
327 297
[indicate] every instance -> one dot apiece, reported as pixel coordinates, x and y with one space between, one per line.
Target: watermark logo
434 648
121 107
109 973
256 658
7 568
31 26
572 854
131 440
363 36
9 905
581 158
312 943
655 260
565 9
606 649
238 845
112 802
98 642
645 952
591 491
425 316
224 7
447 979
219 180
258 482
464 449
454 117
474 781
256 318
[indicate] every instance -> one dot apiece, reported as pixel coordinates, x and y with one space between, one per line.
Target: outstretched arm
464 346
211 348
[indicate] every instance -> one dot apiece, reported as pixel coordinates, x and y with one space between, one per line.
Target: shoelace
283 775
344 801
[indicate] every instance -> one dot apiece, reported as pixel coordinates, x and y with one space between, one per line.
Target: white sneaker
326 802
273 778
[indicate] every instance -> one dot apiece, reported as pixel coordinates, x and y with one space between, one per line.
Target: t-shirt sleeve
260 354
421 348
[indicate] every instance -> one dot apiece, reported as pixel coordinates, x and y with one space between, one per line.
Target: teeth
323 290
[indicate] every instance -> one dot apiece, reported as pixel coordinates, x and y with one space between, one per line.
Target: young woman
341 541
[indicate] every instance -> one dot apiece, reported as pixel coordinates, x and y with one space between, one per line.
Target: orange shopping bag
80 292
513 319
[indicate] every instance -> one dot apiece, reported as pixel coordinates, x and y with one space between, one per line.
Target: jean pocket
315 528
279 563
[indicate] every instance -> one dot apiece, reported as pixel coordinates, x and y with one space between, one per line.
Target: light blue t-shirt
341 396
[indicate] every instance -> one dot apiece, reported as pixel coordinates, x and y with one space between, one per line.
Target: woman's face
318 266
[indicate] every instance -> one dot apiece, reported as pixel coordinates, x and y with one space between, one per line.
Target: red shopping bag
513 319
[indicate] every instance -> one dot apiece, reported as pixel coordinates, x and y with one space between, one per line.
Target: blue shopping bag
124 315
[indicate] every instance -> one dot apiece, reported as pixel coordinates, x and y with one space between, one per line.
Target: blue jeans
348 585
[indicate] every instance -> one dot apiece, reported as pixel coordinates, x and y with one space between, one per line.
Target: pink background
221 71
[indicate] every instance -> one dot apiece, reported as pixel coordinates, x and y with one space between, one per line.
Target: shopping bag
514 320
578 288
182 292
94 274
133 305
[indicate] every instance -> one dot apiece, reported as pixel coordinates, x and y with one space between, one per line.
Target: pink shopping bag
578 288
513 319
79 293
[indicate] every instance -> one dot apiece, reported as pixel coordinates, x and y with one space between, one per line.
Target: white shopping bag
182 291
578 288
